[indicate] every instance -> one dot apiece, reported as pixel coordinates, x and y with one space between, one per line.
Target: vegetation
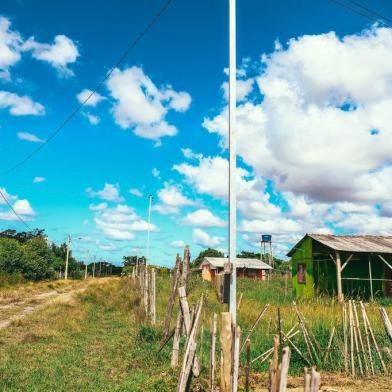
206 253
29 256
102 340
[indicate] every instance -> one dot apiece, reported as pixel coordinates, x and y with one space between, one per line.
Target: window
301 273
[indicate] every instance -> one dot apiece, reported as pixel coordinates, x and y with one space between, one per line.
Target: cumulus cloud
177 244
205 240
92 119
171 199
10 42
156 173
21 207
89 98
110 192
136 192
203 218
121 222
20 105
312 94
142 106
38 179
29 137
60 54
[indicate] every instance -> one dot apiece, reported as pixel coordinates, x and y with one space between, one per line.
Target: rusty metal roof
352 243
217 262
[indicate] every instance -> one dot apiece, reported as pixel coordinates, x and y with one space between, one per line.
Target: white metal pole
232 160
148 229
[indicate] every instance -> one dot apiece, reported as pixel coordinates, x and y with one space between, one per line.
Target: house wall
303 256
208 274
324 272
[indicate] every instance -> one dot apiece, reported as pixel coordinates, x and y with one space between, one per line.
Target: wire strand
3 196
129 48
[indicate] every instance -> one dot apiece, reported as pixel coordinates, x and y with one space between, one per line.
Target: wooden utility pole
339 277
148 230
67 258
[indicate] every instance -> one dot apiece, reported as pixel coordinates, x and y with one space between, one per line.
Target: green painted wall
321 272
303 255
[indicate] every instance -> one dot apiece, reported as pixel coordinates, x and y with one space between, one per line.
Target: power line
375 13
129 48
3 196
374 17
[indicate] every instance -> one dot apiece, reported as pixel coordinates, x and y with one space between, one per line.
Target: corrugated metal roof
218 262
353 243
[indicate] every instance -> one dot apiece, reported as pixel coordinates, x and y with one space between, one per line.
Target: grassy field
100 341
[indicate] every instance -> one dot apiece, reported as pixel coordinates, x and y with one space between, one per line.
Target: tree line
28 255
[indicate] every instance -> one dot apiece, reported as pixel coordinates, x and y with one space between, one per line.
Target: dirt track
15 311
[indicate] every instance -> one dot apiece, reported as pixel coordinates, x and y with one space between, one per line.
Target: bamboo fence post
331 336
375 341
254 325
212 352
351 339
307 380
247 366
185 267
239 301
176 341
344 308
362 347
172 298
315 381
295 348
190 351
387 322
236 357
284 369
367 339
226 339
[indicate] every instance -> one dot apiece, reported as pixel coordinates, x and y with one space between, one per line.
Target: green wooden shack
353 266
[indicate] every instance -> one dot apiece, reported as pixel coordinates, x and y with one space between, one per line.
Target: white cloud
203 218
29 137
7 195
89 98
22 207
177 244
93 120
60 54
315 104
156 173
20 105
171 199
37 179
10 42
136 192
98 207
121 222
142 106
244 88
110 192
204 240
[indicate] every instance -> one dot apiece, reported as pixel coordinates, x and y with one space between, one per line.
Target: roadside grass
101 340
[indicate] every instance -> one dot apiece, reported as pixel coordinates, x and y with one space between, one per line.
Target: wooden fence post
226 339
284 369
176 341
212 352
247 367
153 297
172 298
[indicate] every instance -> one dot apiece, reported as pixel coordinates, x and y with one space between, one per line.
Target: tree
206 253
131 261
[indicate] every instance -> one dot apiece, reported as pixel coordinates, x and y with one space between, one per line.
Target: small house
249 268
342 265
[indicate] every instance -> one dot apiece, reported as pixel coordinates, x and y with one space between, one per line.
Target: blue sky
314 123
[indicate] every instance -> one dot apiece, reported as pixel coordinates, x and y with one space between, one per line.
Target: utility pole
148 230
232 161
67 258
85 272
94 268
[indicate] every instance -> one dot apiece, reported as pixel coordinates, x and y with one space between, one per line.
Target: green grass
102 342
